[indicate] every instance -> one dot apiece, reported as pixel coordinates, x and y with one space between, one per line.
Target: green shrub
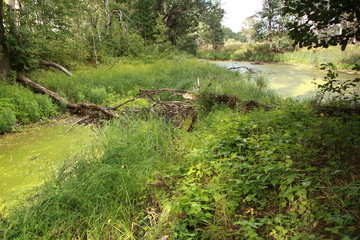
97 95
7 120
27 106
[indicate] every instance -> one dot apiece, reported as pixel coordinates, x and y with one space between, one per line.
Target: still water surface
29 157
287 80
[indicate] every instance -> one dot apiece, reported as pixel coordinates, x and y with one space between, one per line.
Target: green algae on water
29 157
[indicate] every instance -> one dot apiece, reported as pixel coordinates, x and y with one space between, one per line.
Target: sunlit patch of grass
239 52
315 57
109 84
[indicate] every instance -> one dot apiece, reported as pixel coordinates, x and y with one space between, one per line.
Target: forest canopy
56 30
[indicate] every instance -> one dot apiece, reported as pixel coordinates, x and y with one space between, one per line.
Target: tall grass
97 195
112 84
342 59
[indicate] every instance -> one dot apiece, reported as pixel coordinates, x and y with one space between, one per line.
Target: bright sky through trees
236 11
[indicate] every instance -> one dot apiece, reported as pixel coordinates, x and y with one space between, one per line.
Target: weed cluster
337 92
20 104
342 59
96 195
286 174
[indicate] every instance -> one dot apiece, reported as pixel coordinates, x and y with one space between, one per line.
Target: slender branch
77 122
122 104
58 66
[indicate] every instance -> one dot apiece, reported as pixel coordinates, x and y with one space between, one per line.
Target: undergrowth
286 174
110 85
239 52
291 172
96 195
18 104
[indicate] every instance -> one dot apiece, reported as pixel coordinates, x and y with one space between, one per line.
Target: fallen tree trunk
181 113
80 108
58 66
40 89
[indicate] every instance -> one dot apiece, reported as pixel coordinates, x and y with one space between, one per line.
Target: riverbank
344 60
287 80
267 168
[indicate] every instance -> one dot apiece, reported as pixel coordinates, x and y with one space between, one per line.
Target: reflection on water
287 80
27 158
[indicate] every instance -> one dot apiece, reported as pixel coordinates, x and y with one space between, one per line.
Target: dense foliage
56 30
323 23
20 105
289 171
303 23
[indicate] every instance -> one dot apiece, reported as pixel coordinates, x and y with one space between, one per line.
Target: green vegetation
114 84
71 32
260 52
341 59
18 104
239 52
285 173
269 168
111 85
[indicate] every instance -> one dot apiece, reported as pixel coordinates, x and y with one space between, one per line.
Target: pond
287 80
29 157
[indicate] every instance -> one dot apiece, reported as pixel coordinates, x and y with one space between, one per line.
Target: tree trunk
107 16
5 65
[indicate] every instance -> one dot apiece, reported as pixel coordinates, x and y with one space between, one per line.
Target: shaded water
29 157
287 80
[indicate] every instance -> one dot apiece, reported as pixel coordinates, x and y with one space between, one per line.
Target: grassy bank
342 59
239 52
260 52
287 173
112 84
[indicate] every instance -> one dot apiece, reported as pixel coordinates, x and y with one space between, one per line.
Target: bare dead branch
58 66
160 182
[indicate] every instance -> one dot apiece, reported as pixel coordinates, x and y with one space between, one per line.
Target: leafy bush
336 91
24 104
97 95
7 120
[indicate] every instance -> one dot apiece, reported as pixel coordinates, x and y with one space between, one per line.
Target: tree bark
107 16
5 65
58 66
